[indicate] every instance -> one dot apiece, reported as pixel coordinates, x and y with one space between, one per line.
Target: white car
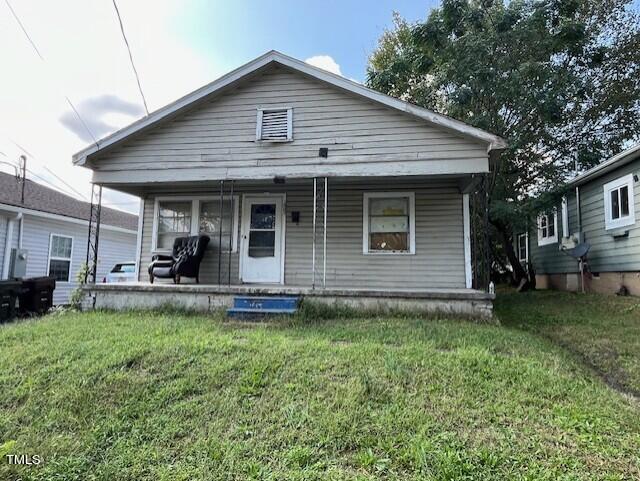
123 272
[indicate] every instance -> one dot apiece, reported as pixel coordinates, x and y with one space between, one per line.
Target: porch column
93 236
323 194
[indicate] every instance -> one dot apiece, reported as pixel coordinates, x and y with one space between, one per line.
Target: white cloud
325 62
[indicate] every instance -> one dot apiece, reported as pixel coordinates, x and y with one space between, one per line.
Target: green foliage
77 295
172 396
559 79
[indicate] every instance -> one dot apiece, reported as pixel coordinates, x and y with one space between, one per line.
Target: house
52 228
322 188
599 210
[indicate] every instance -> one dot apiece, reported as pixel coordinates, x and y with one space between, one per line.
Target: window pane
175 217
59 269
209 221
389 241
61 246
615 204
551 229
624 201
263 216
262 243
389 206
389 224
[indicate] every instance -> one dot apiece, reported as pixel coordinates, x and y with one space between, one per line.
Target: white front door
262 238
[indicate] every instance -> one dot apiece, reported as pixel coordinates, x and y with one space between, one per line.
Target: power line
133 65
24 30
48 182
49 170
35 48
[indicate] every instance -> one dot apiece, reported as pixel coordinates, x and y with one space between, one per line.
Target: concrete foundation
463 302
603 283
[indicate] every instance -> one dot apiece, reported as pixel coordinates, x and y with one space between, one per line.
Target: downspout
6 261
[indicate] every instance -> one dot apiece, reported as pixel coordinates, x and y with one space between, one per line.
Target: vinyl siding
4 221
114 247
607 253
217 138
437 263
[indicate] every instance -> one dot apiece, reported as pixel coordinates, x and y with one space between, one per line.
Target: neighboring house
604 216
272 134
52 227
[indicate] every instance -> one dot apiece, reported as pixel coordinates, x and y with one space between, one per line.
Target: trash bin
37 294
9 291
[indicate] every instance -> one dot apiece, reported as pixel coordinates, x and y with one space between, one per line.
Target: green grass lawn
603 331
141 396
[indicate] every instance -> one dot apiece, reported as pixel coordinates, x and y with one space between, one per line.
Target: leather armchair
184 261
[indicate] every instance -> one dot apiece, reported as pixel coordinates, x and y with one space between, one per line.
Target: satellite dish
579 251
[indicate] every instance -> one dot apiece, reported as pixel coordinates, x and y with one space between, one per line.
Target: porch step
260 306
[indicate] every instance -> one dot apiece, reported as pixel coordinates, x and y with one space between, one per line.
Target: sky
177 47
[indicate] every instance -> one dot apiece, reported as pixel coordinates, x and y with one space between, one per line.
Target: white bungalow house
322 188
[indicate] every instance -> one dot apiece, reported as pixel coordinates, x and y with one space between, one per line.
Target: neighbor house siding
439 256
217 138
3 238
607 253
113 247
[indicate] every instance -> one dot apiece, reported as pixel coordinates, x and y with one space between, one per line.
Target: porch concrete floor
277 289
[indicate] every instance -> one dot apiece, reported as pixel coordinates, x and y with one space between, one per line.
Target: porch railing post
313 240
220 233
231 232
324 232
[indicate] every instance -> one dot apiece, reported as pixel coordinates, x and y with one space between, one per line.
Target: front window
619 206
60 248
523 248
210 224
547 228
174 220
201 215
389 223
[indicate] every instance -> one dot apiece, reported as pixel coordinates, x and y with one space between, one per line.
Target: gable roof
273 57
43 199
608 165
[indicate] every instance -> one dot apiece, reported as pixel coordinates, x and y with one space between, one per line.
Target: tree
558 79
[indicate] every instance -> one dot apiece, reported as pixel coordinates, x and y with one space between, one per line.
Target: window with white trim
275 124
523 247
182 217
389 223
548 228
60 251
619 209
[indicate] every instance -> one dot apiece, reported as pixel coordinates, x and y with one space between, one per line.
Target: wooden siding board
356 130
439 258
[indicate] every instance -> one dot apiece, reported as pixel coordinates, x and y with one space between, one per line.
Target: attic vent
275 125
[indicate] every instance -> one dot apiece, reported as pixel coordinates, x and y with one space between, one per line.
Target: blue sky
237 31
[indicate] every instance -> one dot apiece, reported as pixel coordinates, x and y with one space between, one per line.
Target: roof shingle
44 199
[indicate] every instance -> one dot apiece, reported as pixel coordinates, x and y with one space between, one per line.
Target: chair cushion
162 272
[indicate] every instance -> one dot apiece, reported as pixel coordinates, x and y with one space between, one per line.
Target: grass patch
170 396
604 331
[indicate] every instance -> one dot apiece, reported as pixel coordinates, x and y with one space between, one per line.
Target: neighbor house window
619 208
389 223
181 217
565 217
275 124
174 220
523 247
547 228
60 249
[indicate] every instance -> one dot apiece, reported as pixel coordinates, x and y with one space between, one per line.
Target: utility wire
24 30
49 170
35 48
133 65
48 182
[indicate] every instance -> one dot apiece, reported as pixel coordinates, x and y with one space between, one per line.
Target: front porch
210 297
